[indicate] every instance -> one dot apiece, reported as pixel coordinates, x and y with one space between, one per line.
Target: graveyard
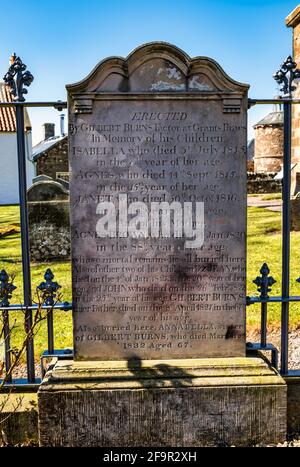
149 249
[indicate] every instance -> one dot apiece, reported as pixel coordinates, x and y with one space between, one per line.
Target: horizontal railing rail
58 105
65 306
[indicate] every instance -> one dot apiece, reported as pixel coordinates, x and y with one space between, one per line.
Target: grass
263 245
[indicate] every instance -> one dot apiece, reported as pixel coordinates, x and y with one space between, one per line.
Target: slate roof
7 114
45 145
273 118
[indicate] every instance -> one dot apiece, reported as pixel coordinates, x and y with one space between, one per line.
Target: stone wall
19 419
54 160
293 21
268 149
262 183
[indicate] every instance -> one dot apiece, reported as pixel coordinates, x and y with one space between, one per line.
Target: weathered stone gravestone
158 219
45 188
172 135
49 220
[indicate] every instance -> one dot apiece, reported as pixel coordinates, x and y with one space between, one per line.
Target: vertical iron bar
286 188
263 332
50 331
6 335
25 238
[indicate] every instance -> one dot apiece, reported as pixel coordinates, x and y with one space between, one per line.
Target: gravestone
47 190
49 230
173 135
157 150
49 220
41 178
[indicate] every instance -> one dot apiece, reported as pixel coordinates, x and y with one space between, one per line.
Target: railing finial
48 288
16 78
264 282
286 76
6 288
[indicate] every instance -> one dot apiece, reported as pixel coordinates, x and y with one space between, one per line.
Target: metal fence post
286 191
25 238
286 76
16 78
264 284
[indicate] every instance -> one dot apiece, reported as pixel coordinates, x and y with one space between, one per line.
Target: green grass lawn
263 245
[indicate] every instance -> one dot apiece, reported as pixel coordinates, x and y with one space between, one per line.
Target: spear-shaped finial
286 76
16 78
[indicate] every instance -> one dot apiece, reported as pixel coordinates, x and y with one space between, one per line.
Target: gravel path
257 202
274 338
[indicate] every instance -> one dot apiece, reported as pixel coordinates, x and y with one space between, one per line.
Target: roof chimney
49 130
278 106
62 124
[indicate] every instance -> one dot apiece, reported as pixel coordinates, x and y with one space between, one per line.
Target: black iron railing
17 78
47 294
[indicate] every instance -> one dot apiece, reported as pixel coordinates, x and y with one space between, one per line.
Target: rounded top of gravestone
41 178
64 183
47 190
158 67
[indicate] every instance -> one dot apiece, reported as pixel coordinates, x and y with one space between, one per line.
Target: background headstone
49 220
47 190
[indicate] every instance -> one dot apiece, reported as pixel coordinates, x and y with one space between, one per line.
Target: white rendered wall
9 187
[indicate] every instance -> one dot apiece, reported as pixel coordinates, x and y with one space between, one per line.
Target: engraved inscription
145 289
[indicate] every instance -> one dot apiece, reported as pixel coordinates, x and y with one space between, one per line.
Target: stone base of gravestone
197 402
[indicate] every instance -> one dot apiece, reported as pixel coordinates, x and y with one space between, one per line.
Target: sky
62 41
